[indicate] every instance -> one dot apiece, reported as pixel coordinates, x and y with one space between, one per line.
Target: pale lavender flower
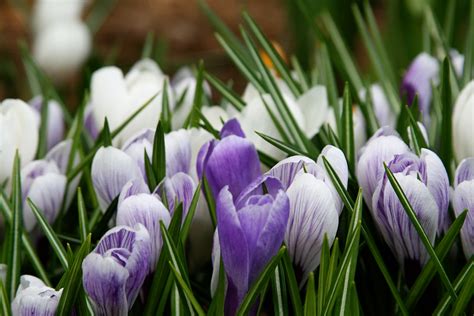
33 297
43 183
55 120
178 188
114 272
463 198
137 145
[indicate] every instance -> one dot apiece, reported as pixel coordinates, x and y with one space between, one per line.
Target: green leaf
285 147
150 174
148 46
193 119
50 234
280 300
347 135
4 300
211 204
302 79
190 215
43 130
158 159
310 301
463 278
421 232
446 149
82 215
228 94
429 270
468 72
258 285
292 284
275 57
328 78
465 295
102 225
104 136
71 282
165 117
16 227
187 291
218 300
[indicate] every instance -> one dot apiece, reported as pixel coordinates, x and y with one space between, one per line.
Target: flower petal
464 199
265 184
438 184
178 152
145 209
233 245
312 215
314 104
287 169
465 171
136 146
111 170
133 187
179 188
232 127
395 225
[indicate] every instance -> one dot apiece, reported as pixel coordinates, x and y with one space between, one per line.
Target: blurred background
183 35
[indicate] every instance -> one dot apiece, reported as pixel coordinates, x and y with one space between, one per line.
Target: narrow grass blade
82 215
310 300
347 128
285 147
259 284
280 299
50 234
275 57
193 119
43 130
4 300
14 236
463 278
227 93
446 149
468 72
323 272
424 238
166 115
187 291
429 270
148 46
158 159
218 301
211 204
292 285
465 296
190 215
71 282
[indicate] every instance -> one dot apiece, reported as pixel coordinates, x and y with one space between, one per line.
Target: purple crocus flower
145 209
425 183
44 184
463 198
111 170
249 236
231 161
55 130
417 81
114 272
33 297
315 205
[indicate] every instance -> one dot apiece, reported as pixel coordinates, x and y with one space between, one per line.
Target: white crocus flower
18 130
463 116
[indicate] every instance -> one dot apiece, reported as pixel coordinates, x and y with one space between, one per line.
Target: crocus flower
55 130
145 209
116 97
463 198
380 148
137 145
310 111
425 183
423 70
43 183
178 188
33 297
314 205
231 161
62 41
18 131
111 170
114 272
381 106
248 238
463 114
